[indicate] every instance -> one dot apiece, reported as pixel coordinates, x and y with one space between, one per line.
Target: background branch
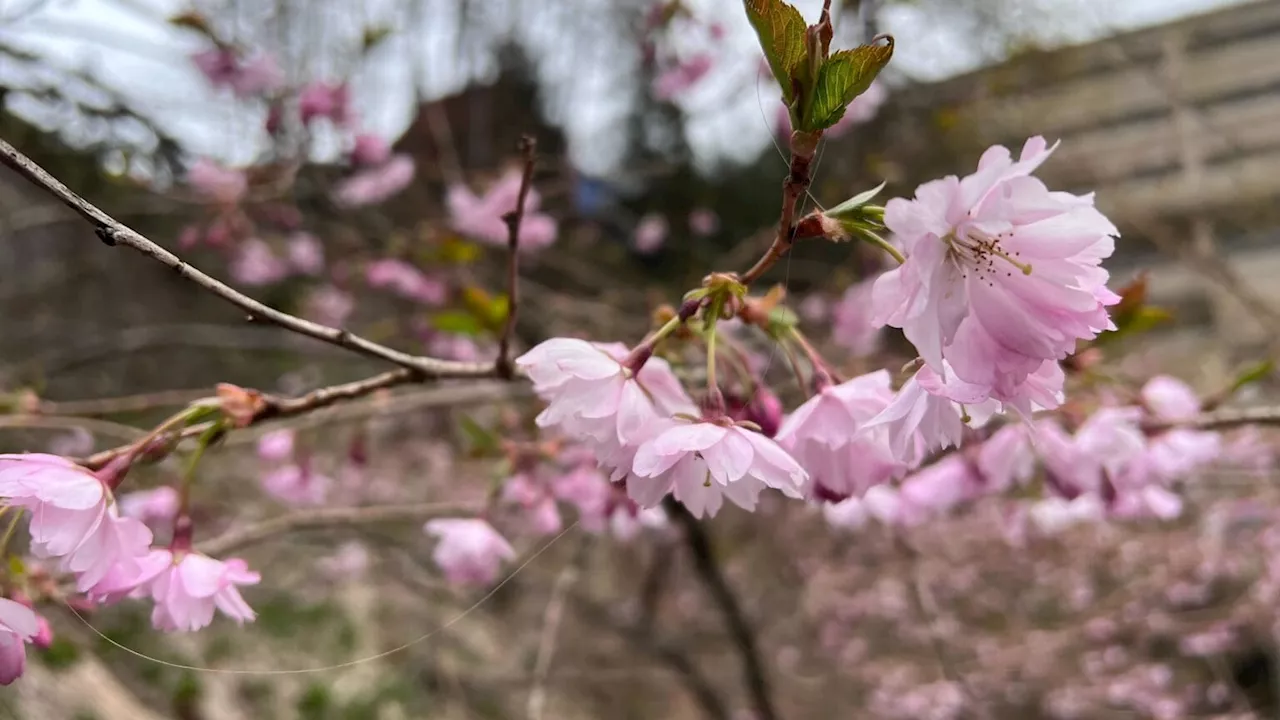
528 150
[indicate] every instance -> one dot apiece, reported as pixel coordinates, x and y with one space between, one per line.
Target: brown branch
551 622
528 150
277 407
329 518
113 232
793 188
1223 419
123 404
704 562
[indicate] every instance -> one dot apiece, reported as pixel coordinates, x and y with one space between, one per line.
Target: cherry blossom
1001 274
326 100
376 184
592 395
924 416
255 263
297 484
824 435
1169 398
277 445
1007 458
480 217
703 463
651 233
305 253
681 77
704 222
370 150
938 488
216 182
73 516
470 552
187 587
534 496
19 625
329 305
152 507
224 68
764 408
405 280
853 326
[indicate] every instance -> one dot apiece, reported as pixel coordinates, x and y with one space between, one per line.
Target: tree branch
704 562
327 518
1223 419
528 150
551 621
113 232
793 188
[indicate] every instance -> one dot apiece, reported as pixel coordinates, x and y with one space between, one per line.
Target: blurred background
307 151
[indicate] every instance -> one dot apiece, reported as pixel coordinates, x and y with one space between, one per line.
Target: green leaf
843 77
781 29
374 36
1252 374
1137 321
479 439
849 208
457 321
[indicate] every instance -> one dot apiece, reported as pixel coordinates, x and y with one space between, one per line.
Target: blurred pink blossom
454 346
150 506
704 222
814 308
224 68
19 625
370 150
329 100
216 182
255 263
679 78
348 563
405 280
853 326
373 185
470 551
650 234
1168 398
297 484
306 254
277 445
328 305
73 443
481 217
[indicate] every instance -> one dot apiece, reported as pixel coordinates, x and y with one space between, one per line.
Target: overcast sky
127 45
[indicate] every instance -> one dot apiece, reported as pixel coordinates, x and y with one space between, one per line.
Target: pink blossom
1249 450
535 498
326 100
370 150
223 68
329 305
217 183
703 463
297 484
19 625
591 494
190 586
680 78
373 185
764 408
255 263
1168 398
1150 501
480 217
853 327
349 562
1007 458
825 435
306 254
72 516
923 416
150 506
814 308
470 552
848 514
590 395
1103 447
405 280
277 445
454 346
1055 514
704 222
938 488
1001 274
76 442
651 233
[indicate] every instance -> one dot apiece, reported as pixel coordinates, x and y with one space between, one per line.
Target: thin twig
328 518
528 151
551 621
1222 419
704 563
122 404
113 232
793 188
